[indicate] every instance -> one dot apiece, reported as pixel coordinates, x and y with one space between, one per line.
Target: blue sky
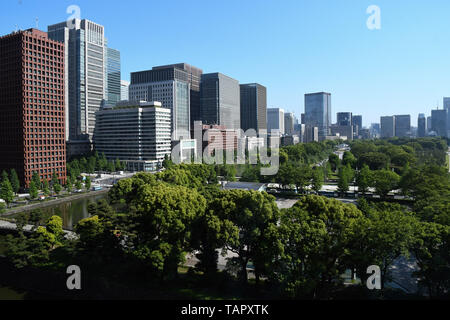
291 46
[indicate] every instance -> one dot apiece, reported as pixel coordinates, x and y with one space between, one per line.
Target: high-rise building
85 80
342 131
124 93
138 133
253 107
275 120
439 123
311 134
344 119
447 107
113 87
357 124
194 79
387 127
220 100
402 125
289 120
32 117
302 118
421 125
428 124
318 112
171 87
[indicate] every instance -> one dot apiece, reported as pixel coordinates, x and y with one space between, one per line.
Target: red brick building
32 137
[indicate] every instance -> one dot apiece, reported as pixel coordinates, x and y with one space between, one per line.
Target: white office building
138 133
275 120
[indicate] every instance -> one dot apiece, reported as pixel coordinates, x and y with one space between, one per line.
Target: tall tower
86 78
32 117
318 112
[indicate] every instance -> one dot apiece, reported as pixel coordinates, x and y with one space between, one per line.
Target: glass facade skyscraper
86 77
253 106
318 112
113 88
220 101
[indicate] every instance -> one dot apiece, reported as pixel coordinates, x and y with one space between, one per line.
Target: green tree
364 179
37 180
45 187
6 191
317 179
334 161
15 183
78 185
4 176
69 184
33 190
343 182
87 183
384 181
315 234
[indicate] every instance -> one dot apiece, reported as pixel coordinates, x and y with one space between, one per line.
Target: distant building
113 85
253 107
124 93
302 118
375 130
402 125
289 121
357 125
343 131
138 133
219 138
318 112
421 126
311 134
171 87
220 101
387 127
447 107
344 119
275 120
439 123
194 76
290 140
428 124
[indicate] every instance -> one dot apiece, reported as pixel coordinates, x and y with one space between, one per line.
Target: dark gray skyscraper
439 120
344 119
220 100
421 126
387 127
357 124
402 125
318 112
253 106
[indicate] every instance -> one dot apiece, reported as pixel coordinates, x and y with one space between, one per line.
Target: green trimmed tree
15 182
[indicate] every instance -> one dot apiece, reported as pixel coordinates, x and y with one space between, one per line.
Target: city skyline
372 60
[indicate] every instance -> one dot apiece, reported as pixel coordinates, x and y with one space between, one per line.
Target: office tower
85 80
402 125
342 131
421 126
220 100
124 85
439 123
428 124
32 117
447 107
344 119
171 87
357 124
311 134
275 120
194 79
299 130
289 123
318 112
253 107
113 87
219 138
302 118
137 133
387 127
375 130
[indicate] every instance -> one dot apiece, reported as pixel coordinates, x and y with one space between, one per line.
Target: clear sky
291 46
